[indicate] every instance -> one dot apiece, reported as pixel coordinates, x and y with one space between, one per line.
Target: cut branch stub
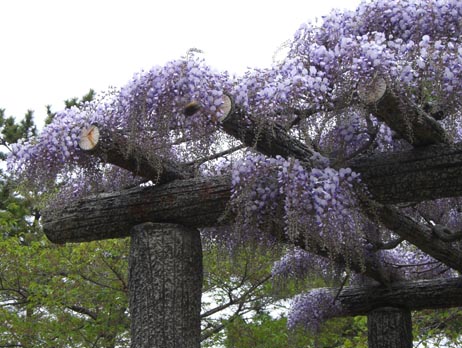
113 149
89 137
191 108
371 92
404 117
227 107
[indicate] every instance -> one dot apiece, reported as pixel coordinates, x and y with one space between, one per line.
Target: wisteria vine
415 46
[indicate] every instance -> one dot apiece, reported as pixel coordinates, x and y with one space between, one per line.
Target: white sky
52 50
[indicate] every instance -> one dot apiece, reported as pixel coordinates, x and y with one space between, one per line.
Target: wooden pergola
163 222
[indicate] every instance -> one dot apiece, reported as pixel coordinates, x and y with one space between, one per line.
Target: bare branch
82 310
229 151
388 245
240 299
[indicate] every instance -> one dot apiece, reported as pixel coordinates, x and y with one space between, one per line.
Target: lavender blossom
298 263
311 310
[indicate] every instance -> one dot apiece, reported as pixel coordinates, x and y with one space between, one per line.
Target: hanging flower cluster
311 309
298 263
149 111
173 112
315 203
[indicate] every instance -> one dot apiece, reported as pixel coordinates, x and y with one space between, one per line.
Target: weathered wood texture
195 203
424 173
269 139
165 280
401 115
413 176
198 202
439 172
416 233
115 149
413 295
389 327
201 202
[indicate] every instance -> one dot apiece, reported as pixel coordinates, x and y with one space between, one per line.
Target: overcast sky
52 50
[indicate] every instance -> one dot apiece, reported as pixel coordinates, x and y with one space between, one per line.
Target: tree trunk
165 279
389 327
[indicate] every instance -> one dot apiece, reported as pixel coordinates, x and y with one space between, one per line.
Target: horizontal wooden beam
416 175
199 202
195 203
202 201
413 295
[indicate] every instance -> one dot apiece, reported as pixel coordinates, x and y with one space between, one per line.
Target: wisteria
414 46
299 264
410 263
148 111
311 309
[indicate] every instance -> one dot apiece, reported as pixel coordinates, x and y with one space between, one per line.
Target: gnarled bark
200 202
400 114
165 281
115 150
414 295
412 176
389 327
195 203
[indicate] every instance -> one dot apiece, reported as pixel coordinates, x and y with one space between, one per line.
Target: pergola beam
413 295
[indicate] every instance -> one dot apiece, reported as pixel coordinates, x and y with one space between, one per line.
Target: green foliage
17 215
264 331
55 296
434 328
238 283
64 296
11 131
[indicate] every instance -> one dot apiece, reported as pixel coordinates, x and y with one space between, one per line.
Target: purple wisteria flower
311 309
298 263
148 112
